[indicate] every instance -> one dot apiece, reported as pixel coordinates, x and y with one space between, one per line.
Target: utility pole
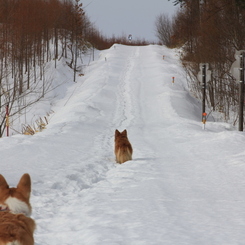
237 70
204 76
241 91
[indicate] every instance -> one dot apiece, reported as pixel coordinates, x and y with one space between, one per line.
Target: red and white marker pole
204 119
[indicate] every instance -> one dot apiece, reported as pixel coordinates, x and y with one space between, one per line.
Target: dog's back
123 148
16 228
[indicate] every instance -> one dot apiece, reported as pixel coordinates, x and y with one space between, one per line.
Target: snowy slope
185 185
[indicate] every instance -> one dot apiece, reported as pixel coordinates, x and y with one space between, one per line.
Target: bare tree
164 29
209 32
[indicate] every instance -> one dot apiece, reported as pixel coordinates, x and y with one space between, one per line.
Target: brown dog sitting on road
123 148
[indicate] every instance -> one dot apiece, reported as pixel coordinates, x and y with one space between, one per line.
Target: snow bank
185 185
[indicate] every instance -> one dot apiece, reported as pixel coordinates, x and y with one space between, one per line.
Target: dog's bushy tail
124 154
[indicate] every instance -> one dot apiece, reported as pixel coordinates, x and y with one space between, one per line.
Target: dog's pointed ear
24 185
3 183
117 132
125 132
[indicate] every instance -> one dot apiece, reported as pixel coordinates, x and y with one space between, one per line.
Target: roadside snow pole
204 76
7 119
204 119
237 70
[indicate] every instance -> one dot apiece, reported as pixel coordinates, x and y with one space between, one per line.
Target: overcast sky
124 17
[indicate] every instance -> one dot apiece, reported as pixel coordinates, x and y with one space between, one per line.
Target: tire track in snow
124 109
131 109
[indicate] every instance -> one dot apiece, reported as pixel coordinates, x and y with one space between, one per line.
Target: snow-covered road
185 185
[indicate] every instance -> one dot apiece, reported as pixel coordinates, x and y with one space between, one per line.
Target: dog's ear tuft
3 183
124 132
24 185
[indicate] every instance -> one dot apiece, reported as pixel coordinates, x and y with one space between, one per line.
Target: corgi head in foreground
16 200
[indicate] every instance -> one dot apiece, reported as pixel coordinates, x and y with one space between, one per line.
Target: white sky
124 17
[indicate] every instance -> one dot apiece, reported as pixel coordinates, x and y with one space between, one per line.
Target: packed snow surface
185 185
